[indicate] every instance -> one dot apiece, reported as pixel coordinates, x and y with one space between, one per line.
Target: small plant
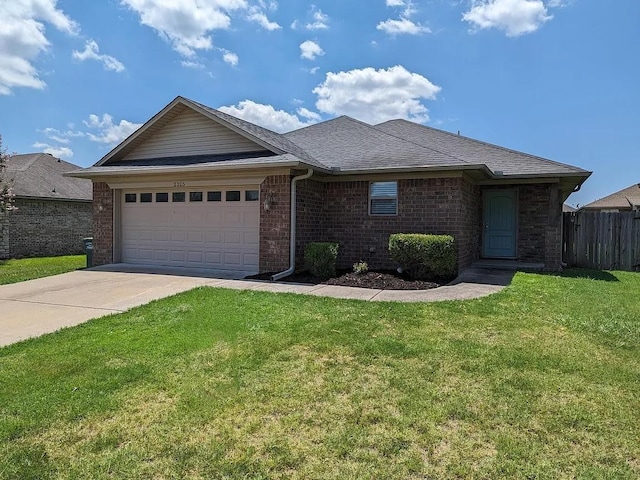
424 257
360 267
320 259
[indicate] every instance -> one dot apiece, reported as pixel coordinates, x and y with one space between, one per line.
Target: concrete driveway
35 307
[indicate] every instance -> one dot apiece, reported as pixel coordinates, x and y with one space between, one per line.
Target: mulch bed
383 280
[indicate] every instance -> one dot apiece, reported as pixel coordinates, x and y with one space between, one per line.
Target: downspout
292 236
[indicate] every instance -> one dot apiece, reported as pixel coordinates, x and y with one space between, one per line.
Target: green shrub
320 259
422 256
360 267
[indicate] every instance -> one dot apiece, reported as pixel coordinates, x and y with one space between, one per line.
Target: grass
539 381
13 271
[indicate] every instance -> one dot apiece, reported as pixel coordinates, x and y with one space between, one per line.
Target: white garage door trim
216 227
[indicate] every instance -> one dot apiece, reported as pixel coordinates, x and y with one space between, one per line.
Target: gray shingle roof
349 144
496 158
41 175
627 199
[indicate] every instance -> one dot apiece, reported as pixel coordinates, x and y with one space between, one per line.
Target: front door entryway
500 224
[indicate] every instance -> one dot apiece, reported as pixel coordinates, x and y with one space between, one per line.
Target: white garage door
214 228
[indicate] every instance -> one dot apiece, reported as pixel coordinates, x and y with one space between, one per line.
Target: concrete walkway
44 305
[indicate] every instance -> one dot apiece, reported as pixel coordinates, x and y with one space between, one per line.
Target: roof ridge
414 143
506 149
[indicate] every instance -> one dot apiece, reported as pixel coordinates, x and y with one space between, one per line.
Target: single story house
195 187
53 211
626 200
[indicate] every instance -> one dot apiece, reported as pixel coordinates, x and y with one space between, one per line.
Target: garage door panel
232 237
251 238
195 237
214 237
232 259
194 257
219 235
145 254
178 236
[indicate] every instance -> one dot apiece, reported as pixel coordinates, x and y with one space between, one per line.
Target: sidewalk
472 283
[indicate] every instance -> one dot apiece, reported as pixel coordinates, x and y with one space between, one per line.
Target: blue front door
500 220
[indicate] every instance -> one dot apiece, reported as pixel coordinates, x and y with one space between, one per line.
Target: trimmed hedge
320 259
424 257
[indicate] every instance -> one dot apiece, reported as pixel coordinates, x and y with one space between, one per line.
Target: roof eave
66 199
424 168
93 172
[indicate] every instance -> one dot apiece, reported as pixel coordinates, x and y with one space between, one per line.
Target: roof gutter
292 236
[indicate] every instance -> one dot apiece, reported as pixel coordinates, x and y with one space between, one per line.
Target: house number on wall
178 184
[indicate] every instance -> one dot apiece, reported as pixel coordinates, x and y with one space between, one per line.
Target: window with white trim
383 198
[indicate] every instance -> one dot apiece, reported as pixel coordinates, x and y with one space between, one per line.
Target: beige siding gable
191 133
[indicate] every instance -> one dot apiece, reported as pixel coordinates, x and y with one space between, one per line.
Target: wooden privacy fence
602 240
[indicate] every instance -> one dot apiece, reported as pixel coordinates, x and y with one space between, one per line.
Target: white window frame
386 197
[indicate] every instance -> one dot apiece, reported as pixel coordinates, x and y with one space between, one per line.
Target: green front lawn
13 271
539 381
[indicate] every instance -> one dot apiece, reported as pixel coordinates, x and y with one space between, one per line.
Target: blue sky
555 78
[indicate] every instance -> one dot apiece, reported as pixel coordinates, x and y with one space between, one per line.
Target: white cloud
186 23
60 136
56 151
261 19
231 58
402 26
91 52
268 117
310 50
108 132
22 39
306 113
514 17
192 64
320 20
375 96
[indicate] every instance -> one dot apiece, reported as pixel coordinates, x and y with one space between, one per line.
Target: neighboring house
625 200
53 211
195 187
568 208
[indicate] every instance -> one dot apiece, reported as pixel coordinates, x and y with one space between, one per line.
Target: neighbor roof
40 175
627 199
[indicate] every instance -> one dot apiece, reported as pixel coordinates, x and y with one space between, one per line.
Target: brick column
275 228
102 224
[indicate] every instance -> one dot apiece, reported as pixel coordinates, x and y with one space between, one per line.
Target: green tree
6 193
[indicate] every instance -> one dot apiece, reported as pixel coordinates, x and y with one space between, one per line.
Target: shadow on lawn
600 275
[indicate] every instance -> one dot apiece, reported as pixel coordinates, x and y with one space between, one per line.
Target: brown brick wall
274 224
102 224
42 228
439 206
